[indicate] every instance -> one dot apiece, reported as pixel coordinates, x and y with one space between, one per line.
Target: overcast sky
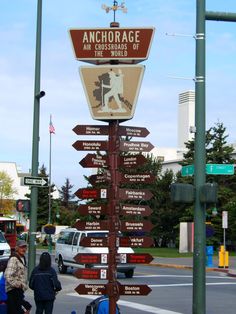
65 98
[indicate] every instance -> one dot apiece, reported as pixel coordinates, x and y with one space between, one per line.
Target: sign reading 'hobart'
95 45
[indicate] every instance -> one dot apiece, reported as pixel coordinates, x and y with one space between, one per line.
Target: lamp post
35 143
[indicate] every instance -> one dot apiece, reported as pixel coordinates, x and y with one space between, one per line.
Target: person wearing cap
16 280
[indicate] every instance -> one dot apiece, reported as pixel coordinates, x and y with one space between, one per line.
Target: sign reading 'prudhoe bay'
126 44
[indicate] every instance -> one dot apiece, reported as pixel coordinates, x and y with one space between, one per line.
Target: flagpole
49 185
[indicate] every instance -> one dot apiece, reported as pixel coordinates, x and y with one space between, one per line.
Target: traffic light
208 193
182 193
23 206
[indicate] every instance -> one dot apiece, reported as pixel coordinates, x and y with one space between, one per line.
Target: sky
170 56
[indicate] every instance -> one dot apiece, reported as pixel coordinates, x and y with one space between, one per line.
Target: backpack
93 306
3 295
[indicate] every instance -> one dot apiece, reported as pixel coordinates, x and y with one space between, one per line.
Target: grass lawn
163 252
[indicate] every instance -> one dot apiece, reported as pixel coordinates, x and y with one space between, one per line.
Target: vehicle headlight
7 252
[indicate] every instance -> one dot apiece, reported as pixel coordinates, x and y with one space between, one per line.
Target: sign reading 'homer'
112 91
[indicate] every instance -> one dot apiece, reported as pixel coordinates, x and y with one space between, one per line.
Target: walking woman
45 284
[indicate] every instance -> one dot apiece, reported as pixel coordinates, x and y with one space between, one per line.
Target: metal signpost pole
35 144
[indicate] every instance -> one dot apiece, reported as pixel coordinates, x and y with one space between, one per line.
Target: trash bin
209 256
223 258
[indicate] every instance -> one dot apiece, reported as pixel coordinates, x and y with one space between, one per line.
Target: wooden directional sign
137 178
92 209
83 258
132 161
101 44
99 178
135 258
94 161
36 181
91 145
91 193
91 289
135 194
86 273
133 131
141 210
134 290
135 241
136 226
128 146
91 225
94 242
91 129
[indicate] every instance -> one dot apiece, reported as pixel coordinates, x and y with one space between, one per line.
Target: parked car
68 246
5 250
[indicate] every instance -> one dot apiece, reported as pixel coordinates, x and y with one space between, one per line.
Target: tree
66 195
7 192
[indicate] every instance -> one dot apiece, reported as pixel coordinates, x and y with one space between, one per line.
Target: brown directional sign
94 161
91 129
128 146
99 44
135 258
91 193
92 209
137 178
133 131
135 194
94 242
91 289
132 161
141 210
136 225
135 241
91 225
83 258
85 273
134 290
99 178
91 145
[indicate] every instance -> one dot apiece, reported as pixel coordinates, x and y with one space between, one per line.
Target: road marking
181 276
190 284
137 306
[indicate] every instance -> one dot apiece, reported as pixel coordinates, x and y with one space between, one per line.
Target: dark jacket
44 283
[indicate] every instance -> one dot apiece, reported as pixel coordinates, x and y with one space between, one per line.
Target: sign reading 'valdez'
95 45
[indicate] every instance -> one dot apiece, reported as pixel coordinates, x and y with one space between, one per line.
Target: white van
68 246
5 250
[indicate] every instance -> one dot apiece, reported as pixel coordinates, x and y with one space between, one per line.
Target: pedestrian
45 284
16 281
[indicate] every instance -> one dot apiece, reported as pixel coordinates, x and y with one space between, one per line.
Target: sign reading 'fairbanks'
112 91
100 44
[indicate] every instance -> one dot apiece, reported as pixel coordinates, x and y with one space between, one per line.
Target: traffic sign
83 258
91 289
129 146
91 145
92 209
91 193
140 210
91 129
85 273
91 225
94 242
99 178
134 290
187 170
36 181
104 44
132 161
136 225
112 91
135 241
220 169
135 258
94 161
135 194
136 177
133 131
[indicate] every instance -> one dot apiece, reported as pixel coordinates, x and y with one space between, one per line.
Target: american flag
51 127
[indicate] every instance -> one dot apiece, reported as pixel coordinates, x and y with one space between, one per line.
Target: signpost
90 145
137 178
133 131
94 161
91 129
85 273
144 225
135 241
99 178
91 193
137 258
91 289
36 181
212 169
135 194
92 209
132 161
139 210
134 290
83 258
128 146
91 225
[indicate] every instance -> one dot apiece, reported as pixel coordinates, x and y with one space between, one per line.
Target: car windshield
97 234
2 238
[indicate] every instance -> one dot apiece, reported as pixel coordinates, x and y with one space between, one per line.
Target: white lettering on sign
104 36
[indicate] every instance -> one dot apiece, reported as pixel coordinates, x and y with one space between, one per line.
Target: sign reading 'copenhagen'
95 45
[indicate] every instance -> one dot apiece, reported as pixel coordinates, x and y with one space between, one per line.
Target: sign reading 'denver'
97 45
112 91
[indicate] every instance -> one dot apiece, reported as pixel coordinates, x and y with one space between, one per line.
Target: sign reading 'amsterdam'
97 45
130 209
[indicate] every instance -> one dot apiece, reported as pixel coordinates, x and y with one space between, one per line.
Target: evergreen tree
66 195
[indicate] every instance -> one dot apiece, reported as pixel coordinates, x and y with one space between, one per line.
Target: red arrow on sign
91 145
134 290
91 289
91 225
91 129
94 161
136 225
92 209
91 193
141 210
135 194
83 258
85 273
135 258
